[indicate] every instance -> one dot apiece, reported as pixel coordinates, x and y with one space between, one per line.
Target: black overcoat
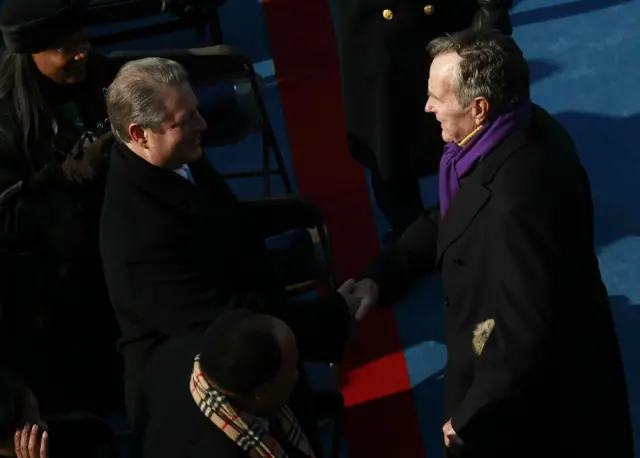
534 367
176 255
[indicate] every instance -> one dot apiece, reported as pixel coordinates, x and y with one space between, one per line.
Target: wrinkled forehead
442 70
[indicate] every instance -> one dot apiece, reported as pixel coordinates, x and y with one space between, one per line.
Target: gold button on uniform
387 14
428 10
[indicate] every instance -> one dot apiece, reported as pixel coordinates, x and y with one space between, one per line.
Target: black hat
30 26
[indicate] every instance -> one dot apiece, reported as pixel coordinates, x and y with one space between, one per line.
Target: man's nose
428 108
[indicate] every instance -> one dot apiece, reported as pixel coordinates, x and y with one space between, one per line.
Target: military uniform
385 69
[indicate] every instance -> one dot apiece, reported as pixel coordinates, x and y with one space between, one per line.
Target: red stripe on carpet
389 373
307 69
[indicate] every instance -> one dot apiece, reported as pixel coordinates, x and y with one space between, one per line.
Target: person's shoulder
550 131
545 147
168 394
545 162
121 195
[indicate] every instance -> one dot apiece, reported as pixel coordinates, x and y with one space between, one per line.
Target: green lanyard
69 113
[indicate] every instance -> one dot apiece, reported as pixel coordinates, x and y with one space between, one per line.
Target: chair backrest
224 81
182 14
102 12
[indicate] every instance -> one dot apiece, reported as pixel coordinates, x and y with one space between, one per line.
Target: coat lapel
209 180
211 196
464 207
208 197
475 191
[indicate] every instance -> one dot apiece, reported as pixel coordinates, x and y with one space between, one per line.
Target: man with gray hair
177 245
534 367
139 100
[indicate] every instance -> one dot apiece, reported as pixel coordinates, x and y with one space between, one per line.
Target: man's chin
195 154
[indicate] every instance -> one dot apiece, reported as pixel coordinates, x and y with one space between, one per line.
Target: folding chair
201 15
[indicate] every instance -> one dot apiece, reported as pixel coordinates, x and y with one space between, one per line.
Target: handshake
361 297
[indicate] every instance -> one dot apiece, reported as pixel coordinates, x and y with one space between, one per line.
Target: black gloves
88 158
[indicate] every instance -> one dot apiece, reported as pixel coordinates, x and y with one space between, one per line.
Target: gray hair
135 95
492 67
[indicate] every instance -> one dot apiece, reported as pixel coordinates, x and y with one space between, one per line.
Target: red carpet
374 375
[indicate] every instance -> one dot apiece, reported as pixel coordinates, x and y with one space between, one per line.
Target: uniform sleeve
494 14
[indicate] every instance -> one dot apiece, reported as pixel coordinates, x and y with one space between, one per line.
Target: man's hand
353 301
451 439
28 444
367 290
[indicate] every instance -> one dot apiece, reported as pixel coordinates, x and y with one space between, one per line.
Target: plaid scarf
251 437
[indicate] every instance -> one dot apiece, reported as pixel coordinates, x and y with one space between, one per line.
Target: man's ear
138 135
480 110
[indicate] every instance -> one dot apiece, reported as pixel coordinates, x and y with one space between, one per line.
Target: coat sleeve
412 257
275 215
17 193
165 293
494 14
528 264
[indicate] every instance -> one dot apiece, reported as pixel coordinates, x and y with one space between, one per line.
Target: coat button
387 14
446 302
428 10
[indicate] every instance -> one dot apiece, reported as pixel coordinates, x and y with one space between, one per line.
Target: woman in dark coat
58 327
385 69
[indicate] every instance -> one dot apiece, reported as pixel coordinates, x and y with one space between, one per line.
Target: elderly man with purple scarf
534 367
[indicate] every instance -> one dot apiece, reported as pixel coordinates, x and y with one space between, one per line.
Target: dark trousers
399 200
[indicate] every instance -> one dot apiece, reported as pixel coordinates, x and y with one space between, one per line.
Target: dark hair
240 351
492 66
18 83
13 394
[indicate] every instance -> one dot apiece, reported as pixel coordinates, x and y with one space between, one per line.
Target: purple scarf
458 160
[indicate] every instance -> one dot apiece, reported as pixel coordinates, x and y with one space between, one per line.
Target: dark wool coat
534 367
